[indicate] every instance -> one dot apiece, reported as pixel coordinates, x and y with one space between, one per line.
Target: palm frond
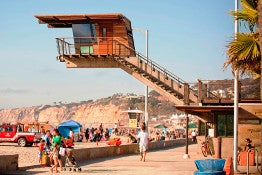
248 14
244 53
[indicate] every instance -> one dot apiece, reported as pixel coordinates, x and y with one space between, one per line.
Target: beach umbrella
192 125
160 126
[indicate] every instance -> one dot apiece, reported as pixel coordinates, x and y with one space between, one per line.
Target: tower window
84 33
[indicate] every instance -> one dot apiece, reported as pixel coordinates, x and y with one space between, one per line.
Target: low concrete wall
107 151
8 163
226 146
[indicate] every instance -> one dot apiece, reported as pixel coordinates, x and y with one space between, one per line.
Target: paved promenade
166 162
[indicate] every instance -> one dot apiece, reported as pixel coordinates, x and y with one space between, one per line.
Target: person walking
57 140
143 137
54 154
194 134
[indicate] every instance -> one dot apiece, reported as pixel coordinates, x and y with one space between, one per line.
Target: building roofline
66 20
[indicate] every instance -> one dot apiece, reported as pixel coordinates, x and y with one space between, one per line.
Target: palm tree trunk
260 40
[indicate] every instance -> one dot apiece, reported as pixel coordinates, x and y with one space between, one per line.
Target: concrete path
166 162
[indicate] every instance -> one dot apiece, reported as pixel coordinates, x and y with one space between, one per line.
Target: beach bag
62 151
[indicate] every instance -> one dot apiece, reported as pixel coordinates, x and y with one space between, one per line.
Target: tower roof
66 20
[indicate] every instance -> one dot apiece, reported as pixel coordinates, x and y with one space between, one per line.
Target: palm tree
260 39
244 50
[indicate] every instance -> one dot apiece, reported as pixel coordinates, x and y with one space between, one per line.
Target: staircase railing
155 66
159 68
116 47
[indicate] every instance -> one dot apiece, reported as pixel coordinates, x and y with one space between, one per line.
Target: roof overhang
203 109
252 108
66 21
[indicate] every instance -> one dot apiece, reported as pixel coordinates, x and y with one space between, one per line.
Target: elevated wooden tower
106 41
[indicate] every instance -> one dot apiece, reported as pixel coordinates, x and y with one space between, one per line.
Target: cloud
14 91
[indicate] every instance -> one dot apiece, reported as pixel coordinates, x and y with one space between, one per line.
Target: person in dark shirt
248 145
87 134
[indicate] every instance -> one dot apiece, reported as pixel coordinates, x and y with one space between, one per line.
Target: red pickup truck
14 133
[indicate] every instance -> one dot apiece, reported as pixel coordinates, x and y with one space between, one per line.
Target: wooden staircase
158 78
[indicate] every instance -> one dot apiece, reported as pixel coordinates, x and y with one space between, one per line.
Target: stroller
70 162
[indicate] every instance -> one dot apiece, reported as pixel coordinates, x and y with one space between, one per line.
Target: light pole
236 96
145 32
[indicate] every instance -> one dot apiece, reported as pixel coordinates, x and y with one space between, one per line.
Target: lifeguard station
106 41
134 117
96 37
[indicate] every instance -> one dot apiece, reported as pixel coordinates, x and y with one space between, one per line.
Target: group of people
141 137
97 134
50 145
52 142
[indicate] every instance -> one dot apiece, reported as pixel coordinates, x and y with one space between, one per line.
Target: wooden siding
105 46
120 32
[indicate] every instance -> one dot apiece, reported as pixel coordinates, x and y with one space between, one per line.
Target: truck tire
22 142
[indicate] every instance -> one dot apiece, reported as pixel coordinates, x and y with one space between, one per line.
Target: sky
189 38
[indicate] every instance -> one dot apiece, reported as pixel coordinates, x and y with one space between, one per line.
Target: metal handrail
256 159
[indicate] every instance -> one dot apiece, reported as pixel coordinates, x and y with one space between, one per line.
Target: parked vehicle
16 134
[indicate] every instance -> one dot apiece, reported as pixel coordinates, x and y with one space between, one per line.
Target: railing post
205 91
119 49
200 95
114 47
186 93
58 46
63 45
112 51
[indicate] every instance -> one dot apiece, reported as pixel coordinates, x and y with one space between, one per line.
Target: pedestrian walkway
166 161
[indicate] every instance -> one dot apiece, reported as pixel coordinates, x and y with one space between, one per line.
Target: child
54 155
41 147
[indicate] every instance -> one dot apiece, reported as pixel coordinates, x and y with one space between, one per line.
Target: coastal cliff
89 113
111 109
